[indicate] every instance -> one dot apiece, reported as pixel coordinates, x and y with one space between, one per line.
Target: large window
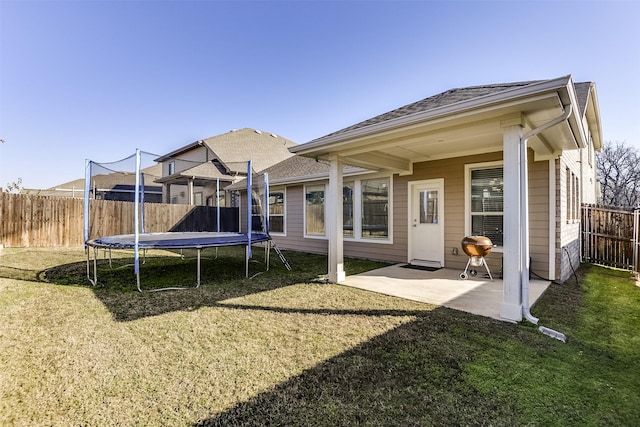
375 208
276 211
365 209
314 210
347 209
487 203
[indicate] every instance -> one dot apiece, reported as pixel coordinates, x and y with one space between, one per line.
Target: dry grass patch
73 355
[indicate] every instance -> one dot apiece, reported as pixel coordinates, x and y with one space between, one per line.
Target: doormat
421 267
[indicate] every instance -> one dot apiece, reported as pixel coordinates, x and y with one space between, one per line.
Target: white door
426 223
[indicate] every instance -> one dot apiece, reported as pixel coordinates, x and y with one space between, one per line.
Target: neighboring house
483 160
193 174
109 186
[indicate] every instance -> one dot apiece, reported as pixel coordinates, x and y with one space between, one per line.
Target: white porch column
190 191
511 308
334 222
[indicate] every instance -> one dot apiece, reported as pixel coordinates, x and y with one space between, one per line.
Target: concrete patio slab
441 287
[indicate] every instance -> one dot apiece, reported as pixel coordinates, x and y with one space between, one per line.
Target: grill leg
487 267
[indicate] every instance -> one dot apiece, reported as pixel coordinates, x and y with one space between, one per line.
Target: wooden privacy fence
37 221
610 236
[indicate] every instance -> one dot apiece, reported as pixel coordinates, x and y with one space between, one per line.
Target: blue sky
98 79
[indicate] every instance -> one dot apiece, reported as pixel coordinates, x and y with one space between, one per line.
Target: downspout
524 211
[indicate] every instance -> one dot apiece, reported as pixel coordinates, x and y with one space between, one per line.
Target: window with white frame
486 201
375 208
365 209
347 209
314 210
172 168
276 210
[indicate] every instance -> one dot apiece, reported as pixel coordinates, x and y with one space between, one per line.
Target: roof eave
447 110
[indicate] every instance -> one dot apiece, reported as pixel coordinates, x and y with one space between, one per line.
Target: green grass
285 349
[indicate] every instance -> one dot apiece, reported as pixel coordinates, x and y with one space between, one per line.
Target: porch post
167 193
191 195
334 222
511 308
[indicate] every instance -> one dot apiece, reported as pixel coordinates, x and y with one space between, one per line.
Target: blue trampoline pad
177 240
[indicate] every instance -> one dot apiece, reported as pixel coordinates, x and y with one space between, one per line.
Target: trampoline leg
267 251
246 261
88 268
95 266
198 283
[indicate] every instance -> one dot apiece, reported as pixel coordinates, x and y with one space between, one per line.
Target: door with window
426 223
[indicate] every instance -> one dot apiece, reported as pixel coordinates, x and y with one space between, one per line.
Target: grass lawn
285 349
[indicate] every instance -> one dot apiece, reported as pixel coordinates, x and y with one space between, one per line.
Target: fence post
634 240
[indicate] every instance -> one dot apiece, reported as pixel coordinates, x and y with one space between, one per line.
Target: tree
14 187
618 172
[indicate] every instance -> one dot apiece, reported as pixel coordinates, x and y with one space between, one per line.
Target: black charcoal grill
476 247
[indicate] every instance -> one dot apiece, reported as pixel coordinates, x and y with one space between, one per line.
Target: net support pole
87 190
249 208
142 201
218 205
136 221
266 203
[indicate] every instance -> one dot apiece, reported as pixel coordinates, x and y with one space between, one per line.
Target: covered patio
441 287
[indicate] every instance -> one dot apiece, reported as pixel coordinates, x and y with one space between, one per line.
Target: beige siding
294 225
453 173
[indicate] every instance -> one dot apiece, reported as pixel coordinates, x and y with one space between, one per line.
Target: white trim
357 210
389 238
441 213
278 189
467 193
517 95
552 219
304 212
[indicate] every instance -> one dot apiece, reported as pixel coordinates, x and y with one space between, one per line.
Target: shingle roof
449 97
582 92
297 167
238 146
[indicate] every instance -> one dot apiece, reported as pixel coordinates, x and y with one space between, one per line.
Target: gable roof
446 98
466 121
238 146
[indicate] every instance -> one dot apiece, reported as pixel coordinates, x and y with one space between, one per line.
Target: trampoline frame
125 242
193 240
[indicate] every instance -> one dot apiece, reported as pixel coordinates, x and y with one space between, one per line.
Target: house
195 173
113 185
512 162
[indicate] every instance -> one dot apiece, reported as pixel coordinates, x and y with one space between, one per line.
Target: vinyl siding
453 173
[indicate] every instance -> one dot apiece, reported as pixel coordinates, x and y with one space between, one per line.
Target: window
276 211
314 210
365 209
347 209
172 168
572 198
487 203
429 207
375 208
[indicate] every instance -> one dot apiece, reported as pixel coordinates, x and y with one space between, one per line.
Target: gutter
524 212
511 95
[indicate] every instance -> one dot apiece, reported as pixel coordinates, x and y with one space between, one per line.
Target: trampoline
198 240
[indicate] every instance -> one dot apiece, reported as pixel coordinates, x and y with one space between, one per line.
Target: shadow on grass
453 368
222 278
411 375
